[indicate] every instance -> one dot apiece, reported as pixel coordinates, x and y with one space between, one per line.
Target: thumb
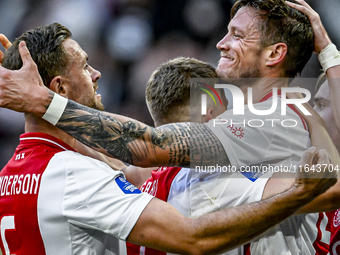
28 64
25 54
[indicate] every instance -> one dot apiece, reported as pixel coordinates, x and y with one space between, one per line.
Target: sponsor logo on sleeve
126 186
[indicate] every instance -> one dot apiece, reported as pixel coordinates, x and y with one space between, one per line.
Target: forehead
323 91
245 19
74 51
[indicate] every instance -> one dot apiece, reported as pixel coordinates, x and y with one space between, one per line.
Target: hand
6 43
23 90
321 38
315 182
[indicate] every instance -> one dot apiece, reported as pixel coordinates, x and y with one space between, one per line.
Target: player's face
80 77
240 48
323 107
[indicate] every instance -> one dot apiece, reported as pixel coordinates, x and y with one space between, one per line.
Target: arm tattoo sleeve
178 144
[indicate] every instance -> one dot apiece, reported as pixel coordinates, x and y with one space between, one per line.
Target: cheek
331 126
326 115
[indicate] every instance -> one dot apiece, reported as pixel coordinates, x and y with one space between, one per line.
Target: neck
36 124
262 87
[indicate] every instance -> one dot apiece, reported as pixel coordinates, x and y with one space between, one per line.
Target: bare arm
223 230
328 201
120 137
139 144
137 175
321 41
115 164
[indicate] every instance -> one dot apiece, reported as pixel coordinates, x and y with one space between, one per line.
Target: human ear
275 54
57 85
208 116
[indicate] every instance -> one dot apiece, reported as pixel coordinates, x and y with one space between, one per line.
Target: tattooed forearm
177 144
206 148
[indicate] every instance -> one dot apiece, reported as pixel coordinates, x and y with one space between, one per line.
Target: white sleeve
255 140
98 198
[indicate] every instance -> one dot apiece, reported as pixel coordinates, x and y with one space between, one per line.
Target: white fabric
329 57
87 206
196 193
266 145
55 109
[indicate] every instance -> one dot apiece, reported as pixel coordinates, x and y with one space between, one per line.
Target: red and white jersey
334 224
195 192
55 201
158 185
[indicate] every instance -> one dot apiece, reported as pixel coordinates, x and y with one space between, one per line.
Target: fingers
307 156
322 157
1 56
302 7
5 42
321 38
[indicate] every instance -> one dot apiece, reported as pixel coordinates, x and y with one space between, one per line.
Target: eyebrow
233 28
318 99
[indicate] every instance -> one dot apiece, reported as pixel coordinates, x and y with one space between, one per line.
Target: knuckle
5 75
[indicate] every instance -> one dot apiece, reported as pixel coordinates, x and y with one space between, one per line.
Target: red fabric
158 185
19 195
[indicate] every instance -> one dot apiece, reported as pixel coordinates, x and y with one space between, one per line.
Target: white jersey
270 140
56 201
275 145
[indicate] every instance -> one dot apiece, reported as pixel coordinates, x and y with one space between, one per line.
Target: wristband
329 57
56 109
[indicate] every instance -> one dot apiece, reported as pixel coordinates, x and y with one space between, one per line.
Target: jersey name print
55 201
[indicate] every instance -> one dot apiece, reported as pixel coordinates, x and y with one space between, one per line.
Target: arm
330 200
137 175
115 164
223 230
120 137
175 144
321 41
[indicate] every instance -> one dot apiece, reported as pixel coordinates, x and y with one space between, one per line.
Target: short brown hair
44 44
168 89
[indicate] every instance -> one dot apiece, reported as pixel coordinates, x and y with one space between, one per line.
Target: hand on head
321 38
21 89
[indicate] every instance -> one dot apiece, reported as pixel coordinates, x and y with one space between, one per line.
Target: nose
223 44
95 74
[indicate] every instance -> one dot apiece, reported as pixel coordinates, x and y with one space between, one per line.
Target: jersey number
7 222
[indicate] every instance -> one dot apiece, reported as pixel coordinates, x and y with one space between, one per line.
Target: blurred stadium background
127 39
